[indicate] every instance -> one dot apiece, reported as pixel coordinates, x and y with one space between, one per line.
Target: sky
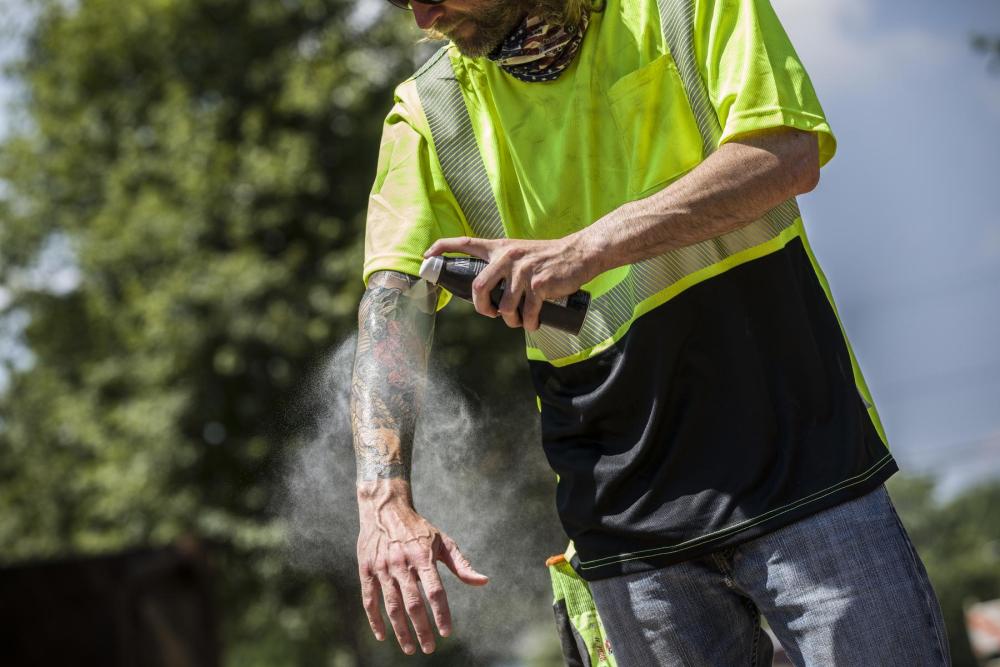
906 219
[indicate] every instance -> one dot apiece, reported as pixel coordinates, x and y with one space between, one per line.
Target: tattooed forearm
395 329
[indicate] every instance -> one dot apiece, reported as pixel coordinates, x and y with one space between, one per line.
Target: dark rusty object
143 608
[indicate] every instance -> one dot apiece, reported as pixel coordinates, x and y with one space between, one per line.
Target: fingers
484 283
509 307
459 564
470 246
415 609
510 262
396 610
370 599
531 310
435 593
401 590
521 305
399 577
516 281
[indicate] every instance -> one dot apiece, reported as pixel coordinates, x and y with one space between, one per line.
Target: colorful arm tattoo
395 330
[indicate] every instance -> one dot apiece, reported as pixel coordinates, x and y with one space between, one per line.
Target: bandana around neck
539 51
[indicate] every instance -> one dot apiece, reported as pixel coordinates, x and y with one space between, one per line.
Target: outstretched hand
533 271
397 550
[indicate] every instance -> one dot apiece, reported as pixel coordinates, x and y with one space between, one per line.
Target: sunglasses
405 4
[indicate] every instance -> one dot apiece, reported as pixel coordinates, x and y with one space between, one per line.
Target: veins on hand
395 330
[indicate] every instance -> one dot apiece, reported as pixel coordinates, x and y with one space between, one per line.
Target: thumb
452 557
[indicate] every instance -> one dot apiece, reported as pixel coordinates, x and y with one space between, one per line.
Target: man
718 453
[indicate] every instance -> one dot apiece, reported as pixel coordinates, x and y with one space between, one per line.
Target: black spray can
456 274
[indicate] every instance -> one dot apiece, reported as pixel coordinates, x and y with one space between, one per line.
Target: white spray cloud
463 483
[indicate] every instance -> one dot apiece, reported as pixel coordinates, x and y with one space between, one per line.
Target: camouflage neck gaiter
539 51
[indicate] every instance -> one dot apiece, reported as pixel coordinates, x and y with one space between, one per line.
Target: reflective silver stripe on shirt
677 22
455 142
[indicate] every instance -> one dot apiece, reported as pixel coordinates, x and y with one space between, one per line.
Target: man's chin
473 50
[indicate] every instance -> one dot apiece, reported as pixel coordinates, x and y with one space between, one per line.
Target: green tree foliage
206 163
959 542
204 167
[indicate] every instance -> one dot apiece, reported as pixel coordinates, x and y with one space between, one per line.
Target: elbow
808 180
808 177
805 164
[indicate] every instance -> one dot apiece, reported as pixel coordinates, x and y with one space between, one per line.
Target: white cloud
844 50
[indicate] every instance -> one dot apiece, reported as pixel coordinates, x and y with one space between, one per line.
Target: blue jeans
842 587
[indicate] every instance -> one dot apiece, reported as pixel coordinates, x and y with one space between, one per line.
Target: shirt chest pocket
657 128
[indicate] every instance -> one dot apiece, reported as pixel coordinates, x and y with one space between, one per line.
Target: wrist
591 249
378 492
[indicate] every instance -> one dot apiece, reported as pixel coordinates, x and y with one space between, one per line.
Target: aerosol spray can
456 274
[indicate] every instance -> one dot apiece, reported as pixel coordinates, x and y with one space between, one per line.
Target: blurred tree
959 542
990 45
199 170
204 165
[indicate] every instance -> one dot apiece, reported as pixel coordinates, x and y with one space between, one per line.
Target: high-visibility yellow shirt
616 126
711 395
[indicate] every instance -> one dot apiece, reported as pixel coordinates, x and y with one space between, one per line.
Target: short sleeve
410 205
754 77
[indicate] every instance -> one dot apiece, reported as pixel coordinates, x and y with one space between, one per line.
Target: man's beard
488 28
